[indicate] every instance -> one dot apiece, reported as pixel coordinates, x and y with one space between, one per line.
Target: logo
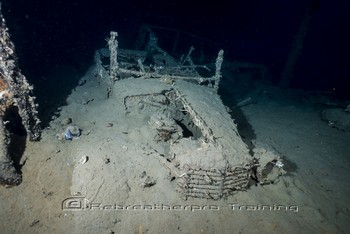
74 203
80 203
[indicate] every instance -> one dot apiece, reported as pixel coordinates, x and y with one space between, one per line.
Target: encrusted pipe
218 64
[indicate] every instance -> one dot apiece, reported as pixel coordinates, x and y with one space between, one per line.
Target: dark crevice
17 137
185 131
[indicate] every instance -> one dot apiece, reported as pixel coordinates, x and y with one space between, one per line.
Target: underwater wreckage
205 153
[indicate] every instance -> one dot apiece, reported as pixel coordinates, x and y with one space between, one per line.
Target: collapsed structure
203 149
